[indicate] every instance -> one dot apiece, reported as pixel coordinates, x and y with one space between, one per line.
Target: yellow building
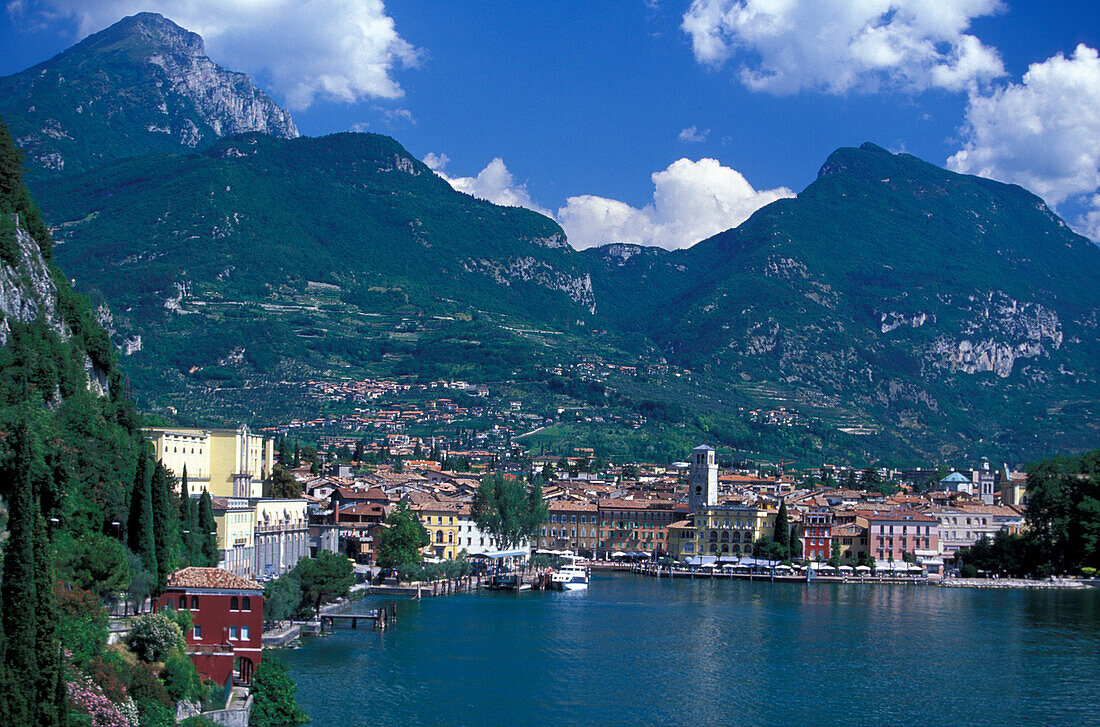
235 519
226 462
441 517
720 530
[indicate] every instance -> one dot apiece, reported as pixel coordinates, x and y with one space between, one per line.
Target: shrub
82 622
89 700
146 687
154 714
181 679
273 703
153 636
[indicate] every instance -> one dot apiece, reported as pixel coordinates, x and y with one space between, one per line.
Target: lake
633 650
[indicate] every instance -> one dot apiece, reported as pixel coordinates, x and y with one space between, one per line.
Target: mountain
917 299
261 250
893 308
142 85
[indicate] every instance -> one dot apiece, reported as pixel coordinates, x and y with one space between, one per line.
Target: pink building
892 533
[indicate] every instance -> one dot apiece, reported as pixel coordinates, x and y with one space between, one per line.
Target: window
232 633
197 632
244 633
246 604
574 519
234 604
183 602
194 603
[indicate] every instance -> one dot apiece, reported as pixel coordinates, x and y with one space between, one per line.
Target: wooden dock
378 618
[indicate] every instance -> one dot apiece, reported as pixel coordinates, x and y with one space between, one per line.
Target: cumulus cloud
692 200
343 50
493 183
841 46
692 135
1042 133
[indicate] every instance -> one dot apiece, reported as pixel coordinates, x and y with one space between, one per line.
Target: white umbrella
618 554
846 567
783 567
863 567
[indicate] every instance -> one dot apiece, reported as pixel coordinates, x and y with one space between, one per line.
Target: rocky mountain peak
142 85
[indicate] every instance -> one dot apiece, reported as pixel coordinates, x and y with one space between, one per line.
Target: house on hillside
227 615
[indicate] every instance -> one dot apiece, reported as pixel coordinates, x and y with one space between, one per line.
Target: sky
658 122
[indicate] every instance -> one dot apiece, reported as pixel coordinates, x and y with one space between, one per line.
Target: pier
379 618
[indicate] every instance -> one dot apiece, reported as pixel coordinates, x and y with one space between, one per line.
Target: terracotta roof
210 578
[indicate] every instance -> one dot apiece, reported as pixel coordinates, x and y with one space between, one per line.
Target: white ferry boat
570 577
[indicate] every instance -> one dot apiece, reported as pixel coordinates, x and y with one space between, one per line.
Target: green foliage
273 692
1064 511
165 508
153 635
96 563
181 679
782 536
503 508
327 577
767 549
207 535
283 597
399 543
82 622
284 484
139 528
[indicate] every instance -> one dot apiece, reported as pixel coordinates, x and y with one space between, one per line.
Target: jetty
378 618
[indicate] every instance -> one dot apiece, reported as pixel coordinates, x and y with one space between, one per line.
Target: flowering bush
105 671
89 699
153 636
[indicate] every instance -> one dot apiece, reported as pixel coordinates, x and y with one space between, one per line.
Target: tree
835 558
782 536
548 473
282 597
796 543
767 549
1064 511
139 528
97 563
401 538
207 535
273 703
284 484
326 577
502 509
165 523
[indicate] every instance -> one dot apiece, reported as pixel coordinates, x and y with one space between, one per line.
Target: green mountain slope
262 250
932 304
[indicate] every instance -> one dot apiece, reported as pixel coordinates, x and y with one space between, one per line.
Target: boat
572 577
508 582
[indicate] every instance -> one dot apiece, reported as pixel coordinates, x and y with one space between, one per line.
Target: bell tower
702 479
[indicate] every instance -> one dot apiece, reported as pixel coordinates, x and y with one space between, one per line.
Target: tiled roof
210 578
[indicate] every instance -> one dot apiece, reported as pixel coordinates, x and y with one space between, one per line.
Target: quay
663 571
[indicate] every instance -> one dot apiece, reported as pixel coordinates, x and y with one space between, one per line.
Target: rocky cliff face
142 85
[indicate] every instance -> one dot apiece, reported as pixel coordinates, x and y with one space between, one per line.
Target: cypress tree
297 454
139 528
782 535
208 542
50 713
163 519
19 594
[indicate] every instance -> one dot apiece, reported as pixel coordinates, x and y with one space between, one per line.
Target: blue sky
654 121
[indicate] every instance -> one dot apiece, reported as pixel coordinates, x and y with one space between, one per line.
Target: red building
227 613
817 535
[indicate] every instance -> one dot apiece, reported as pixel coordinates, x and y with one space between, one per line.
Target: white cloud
1043 133
692 135
493 183
343 50
691 201
840 46
360 127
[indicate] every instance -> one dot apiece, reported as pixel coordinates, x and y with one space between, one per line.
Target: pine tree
139 529
163 521
208 542
297 454
782 535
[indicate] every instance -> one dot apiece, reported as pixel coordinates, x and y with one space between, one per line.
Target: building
472 540
281 535
702 479
893 533
572 526
227 616
634 526
962 525
226 462
817 534
851 541
439 515
987 481
235 521
722 530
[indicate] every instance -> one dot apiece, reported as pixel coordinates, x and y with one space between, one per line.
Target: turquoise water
638 651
